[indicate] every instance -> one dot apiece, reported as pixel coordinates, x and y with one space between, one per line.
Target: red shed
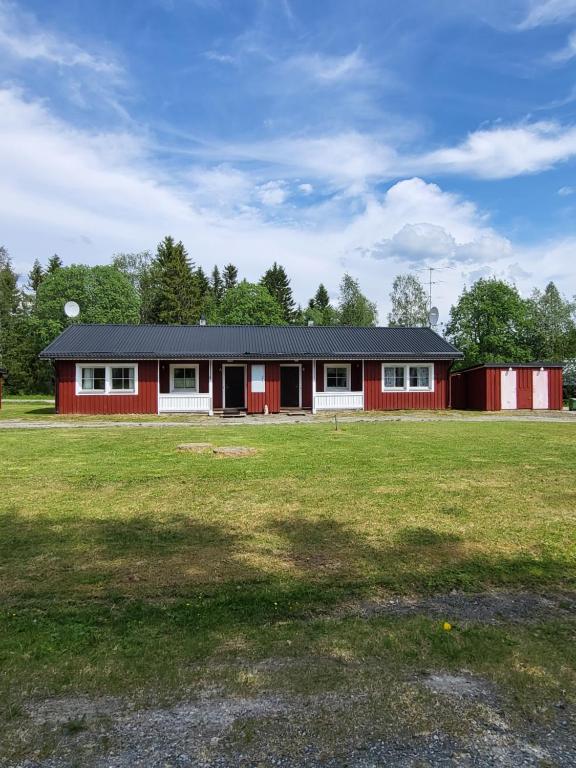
507 386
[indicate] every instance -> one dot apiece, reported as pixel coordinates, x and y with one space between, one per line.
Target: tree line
489 322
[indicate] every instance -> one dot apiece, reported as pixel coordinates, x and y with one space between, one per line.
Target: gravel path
381 718
55 422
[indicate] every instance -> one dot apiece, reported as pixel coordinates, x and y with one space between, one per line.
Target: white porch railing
334 401
199 403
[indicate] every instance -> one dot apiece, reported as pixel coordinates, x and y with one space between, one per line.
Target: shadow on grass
201 591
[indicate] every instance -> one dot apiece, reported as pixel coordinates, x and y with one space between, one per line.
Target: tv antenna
433 313
71 309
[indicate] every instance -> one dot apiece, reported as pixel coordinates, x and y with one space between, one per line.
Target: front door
508 390
234 393
540 389
289 386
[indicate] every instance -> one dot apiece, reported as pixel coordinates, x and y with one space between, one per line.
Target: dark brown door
234 396
289 386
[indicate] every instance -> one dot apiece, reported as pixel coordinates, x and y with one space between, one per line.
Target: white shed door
508 390
540 389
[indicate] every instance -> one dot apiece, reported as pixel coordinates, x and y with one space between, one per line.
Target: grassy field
128 566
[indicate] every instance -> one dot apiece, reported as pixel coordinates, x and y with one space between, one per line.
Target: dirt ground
432 718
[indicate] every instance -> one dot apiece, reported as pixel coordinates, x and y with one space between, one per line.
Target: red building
104 369
507 386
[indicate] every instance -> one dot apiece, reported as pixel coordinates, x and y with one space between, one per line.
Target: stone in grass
234 450
194 447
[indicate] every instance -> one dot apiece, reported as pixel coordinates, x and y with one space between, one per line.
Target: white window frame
407 387
348 367
174 391
107 381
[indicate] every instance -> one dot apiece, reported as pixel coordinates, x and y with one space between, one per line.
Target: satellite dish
71 309
433 316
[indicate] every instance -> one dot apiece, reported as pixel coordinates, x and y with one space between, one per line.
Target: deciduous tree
490 323
354 308
249 304
409 302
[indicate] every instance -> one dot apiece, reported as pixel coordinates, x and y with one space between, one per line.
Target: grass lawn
127 566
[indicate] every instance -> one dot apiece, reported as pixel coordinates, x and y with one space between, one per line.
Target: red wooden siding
376 400
146 401
217 384
492 389
555 394
203 374
523 388
307 384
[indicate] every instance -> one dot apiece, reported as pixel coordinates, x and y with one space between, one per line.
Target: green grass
126 565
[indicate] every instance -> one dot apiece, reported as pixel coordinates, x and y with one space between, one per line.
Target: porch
208 386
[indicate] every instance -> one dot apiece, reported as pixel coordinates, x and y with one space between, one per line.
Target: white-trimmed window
394 377
337 378
100 379
412 377
419 376
183 378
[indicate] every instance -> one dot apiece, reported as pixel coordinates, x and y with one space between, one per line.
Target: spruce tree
54 263
216 285
175 296
321 299
230 276
277 282
35 276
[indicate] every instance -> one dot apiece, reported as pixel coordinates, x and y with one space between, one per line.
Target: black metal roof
245 342
535 364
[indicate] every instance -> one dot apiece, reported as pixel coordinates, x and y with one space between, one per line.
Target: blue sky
373 137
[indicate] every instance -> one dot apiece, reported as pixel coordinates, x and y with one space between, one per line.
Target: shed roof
246 342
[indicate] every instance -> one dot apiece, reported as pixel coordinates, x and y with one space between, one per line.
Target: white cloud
87 195
272 192
543 12
503 151
566 191
22 37
330 70
565 54
306 189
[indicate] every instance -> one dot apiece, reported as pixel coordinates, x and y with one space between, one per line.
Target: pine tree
175 296
54 263
35 276
230 276
216 285
202 282
277 282
9 293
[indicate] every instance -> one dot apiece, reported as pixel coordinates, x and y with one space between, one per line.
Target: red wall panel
523 388
376 400
307 384
146 401
555 394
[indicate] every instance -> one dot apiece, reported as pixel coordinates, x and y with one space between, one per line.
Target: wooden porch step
233 413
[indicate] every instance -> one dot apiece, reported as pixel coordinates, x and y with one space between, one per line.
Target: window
123 379
419 377
101 379
93 379
394 377
408 377
184 378
337 378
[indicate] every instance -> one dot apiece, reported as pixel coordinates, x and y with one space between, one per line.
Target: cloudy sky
368 136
